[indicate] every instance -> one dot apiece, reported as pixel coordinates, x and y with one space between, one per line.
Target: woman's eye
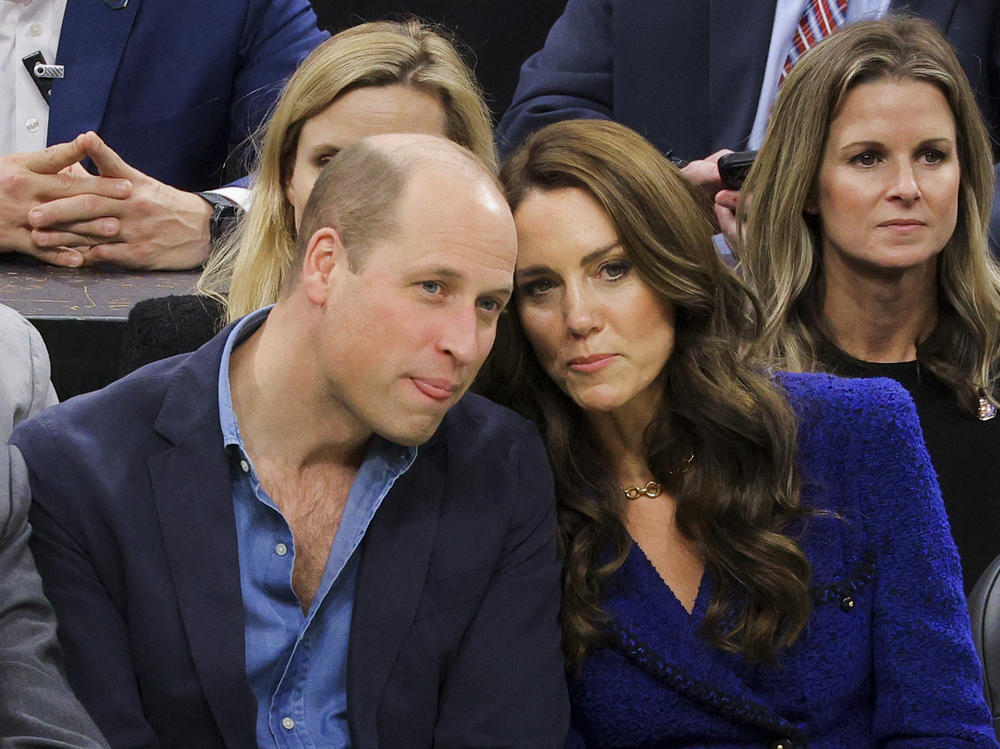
934 156
615 269
866 158
537 287
322 159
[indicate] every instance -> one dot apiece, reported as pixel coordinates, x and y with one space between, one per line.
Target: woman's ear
810 205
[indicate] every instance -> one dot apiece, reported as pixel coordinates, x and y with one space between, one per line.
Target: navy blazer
175 86
687 75
455 636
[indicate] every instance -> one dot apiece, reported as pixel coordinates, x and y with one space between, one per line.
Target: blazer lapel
644 610
91 43
395 557
739 38
193 493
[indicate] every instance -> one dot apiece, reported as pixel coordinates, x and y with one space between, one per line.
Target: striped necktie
818 19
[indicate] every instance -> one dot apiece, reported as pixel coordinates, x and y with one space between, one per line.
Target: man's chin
415 432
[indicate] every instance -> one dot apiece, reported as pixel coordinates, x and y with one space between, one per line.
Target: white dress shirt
786 19
26 26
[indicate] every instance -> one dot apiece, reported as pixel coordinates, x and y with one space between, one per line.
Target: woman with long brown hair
748 559
866 240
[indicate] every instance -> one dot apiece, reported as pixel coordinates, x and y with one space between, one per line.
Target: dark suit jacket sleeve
92 629
570 78
278 36
507 686
36 704
928 686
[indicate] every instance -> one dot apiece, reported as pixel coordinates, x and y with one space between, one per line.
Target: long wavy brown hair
782 250
737 497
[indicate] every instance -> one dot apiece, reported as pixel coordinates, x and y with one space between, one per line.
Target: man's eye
431 287
489 304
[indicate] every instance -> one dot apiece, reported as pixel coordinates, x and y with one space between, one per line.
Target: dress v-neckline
650 579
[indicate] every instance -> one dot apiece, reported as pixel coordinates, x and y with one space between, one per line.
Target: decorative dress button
847 603
245 466
32 124
287 723
281 550
35 29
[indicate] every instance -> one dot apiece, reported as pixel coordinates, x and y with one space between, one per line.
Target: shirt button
287 723
847 603
35 29
245 466
32 124
281 550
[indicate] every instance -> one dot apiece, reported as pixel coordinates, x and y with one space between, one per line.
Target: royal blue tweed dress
886 658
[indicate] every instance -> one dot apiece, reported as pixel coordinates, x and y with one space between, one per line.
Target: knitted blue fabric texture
886 658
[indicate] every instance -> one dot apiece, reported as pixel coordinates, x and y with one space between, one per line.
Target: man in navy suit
698 77
174 89
305 520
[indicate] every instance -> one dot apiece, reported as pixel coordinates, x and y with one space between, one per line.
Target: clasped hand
53 209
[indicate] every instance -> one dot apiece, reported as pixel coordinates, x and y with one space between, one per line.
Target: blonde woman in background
866 241
374 78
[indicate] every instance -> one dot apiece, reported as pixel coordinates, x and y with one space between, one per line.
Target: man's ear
324 259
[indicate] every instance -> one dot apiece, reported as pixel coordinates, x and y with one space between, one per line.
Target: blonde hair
258 255
781 253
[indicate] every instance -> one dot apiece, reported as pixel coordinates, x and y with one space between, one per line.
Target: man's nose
460 335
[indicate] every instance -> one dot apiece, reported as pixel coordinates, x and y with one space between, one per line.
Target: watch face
224 215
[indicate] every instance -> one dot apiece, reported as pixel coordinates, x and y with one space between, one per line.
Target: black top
965 452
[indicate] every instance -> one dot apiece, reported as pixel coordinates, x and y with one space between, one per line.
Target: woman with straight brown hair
866 241
749 560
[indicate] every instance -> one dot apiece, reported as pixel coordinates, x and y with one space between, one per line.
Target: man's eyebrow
536 270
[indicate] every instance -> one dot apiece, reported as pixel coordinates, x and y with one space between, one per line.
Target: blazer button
783 744
847 603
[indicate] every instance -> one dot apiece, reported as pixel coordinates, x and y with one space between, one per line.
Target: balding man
305 520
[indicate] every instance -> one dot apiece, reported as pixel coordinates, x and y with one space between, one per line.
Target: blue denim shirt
296 663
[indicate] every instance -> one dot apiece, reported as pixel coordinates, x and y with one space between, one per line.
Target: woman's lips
591 363
902 224
432 387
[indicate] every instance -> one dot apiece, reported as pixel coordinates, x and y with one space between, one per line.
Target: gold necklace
652 488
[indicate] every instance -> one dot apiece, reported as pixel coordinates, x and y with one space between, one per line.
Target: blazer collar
91 44
193 493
